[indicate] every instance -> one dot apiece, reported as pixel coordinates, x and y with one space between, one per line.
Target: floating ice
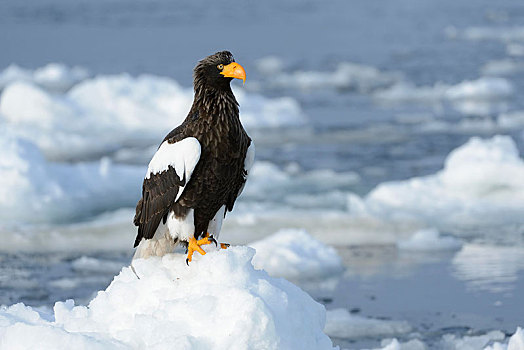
429 240
473 342
341 324
295 255
33 190
516 342
219 302
485 88
491 33
107 112
55 77
347 76
481 183
502 67
394 344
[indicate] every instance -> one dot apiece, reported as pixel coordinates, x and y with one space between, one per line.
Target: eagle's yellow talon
224 245
194 245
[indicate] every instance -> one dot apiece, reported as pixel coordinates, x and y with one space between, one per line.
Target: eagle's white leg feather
161 244
181 228
215 224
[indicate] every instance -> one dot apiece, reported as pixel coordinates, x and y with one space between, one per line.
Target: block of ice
295 255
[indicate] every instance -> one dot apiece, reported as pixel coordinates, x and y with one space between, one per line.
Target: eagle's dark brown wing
169 171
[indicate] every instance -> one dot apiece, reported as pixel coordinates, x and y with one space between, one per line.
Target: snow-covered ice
295 255
481 183
484 88
55 77
346 76
429 240
515 342
34 190
470 342
342 324
220 302
107 112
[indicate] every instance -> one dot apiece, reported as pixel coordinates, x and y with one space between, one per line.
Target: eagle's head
217 71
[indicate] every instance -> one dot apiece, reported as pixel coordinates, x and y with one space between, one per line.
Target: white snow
219 302
295 255
33 190
473 342
341 324
481 183
429 240
108 112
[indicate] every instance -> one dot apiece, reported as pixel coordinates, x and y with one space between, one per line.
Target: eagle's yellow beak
234 70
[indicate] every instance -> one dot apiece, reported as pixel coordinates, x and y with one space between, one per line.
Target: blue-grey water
348 129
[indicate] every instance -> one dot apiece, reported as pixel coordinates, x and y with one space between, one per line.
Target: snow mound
55 77
116 110
219 302
341 324
481 183
33 190
429 240
295 255
516 342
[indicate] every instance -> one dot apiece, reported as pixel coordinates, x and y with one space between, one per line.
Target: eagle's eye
220 66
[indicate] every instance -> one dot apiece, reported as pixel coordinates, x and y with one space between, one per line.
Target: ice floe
342 324
429 240
481 183
485 88
219 302
502 67
295 255
55 77
104 113
33 190
515 342
346 76
505 34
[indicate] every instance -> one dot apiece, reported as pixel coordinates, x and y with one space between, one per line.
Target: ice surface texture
481 183
101 114
219 302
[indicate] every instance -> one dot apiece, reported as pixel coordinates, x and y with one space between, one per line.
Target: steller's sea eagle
199 169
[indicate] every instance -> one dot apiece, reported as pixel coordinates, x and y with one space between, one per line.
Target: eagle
199 169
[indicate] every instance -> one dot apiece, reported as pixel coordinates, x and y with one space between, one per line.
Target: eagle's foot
194 245
224 245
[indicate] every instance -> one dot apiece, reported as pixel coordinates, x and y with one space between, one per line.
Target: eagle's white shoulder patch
183 156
